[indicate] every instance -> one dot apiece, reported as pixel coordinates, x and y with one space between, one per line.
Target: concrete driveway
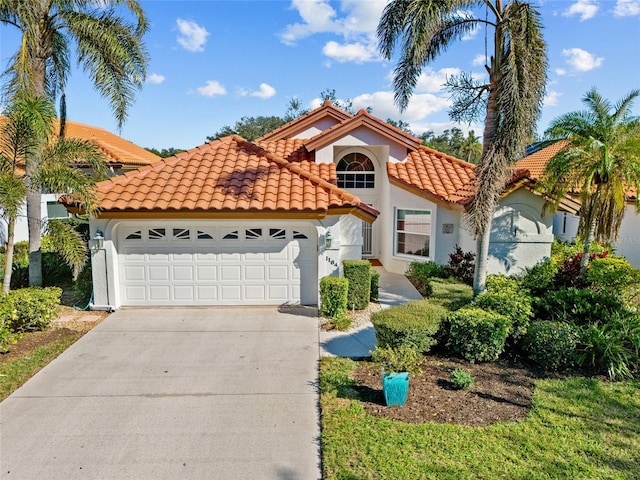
211 393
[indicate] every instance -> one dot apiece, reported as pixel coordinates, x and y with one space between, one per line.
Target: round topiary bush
478 335
552 345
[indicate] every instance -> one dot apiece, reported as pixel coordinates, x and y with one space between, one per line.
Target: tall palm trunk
8 256
34 195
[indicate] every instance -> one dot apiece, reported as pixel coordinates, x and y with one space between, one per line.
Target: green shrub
342 322
421 273
55 270
552 345
504 298
461 265
358 272
461 379
413 325
539 279
333 296
581 306
21 253
374 295
612 347
7 337
478 335
615 276
399 359
30 309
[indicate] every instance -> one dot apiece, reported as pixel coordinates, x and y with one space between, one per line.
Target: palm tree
600 161
108 46
29 128
471 148
510 101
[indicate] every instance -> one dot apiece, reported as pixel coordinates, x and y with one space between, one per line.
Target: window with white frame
356 170
413 232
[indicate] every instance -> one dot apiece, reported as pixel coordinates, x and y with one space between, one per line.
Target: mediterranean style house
234 222
122 156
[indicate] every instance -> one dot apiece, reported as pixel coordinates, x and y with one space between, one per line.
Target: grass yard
578 428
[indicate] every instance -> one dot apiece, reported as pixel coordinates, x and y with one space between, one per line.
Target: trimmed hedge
374 296
478 335
504 296
552 345
333 296
29 309
358 272
413 325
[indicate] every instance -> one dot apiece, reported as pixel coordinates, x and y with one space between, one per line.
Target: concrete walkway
395 289
215 393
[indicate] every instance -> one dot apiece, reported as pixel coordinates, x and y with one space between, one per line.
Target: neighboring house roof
229 177
119 152
536 163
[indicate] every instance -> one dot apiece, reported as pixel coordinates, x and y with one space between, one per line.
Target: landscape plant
333 296
552 345
29 309
358 272
478 335
413 325
397 359
461 379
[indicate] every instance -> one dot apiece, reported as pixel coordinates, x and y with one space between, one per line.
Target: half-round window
356 170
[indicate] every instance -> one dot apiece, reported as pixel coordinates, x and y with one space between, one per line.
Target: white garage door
193 265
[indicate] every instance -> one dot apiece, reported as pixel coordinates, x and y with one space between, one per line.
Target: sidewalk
395 289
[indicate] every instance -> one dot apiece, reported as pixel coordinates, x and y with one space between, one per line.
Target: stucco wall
363 137
628 243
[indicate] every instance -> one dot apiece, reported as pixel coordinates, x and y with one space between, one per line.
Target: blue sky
213 62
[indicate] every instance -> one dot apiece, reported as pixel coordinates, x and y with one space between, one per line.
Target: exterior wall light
327 239
98 240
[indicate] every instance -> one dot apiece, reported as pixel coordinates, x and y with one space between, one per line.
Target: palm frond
69 243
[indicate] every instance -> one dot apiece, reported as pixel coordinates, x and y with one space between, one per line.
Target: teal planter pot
395 387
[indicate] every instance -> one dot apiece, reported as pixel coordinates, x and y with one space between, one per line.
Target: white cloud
318 16
431 81
191 36
585 8
551 98
479 60
421 105
561 71
350 52
211 89
265 91
627 8
581 60
155 78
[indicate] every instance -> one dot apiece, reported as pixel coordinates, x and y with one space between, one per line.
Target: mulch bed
502 392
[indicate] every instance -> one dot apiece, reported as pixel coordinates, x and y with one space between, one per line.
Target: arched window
356 170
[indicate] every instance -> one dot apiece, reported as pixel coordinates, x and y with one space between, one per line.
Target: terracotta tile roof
289 130
362 118
117 149
230 175
435 175
537 162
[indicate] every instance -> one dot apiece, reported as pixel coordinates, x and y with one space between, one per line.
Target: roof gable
289 130
363 119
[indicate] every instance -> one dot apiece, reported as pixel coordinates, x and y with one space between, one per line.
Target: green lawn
578 429
16 372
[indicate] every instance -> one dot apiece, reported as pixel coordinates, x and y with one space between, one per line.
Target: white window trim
395 234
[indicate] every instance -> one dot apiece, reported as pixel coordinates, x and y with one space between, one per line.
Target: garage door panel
158 273
254 272
184 293
206 273
159 293
260 267
207 293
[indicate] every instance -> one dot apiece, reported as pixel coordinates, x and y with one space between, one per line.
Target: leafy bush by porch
29 309
358 272
333 296
412 325
478 335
